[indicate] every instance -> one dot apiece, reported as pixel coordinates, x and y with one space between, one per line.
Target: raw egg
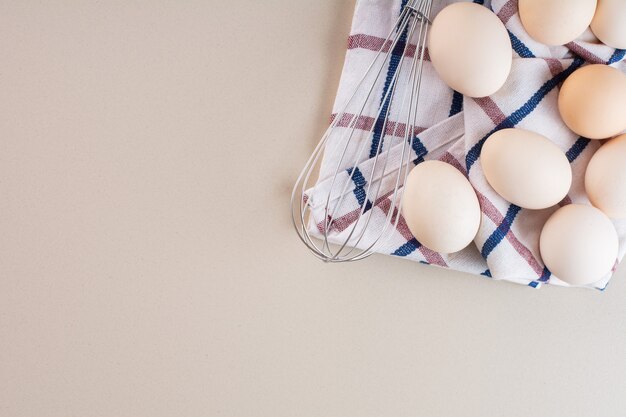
609 23
579 244
526 168
556 22
605 179
440 207
592 101
470 49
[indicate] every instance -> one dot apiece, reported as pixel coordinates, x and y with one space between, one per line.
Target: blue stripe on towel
501 231
394 61
359 189
577 148
457 104
419 149
408 248
519 47
617 56
520 114
545 276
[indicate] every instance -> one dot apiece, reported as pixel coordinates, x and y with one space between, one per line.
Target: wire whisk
363 131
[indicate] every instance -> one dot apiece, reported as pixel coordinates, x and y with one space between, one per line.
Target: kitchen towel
452 128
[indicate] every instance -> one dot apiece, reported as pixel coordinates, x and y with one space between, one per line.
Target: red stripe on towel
374 43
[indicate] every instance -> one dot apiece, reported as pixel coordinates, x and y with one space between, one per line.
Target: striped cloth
453 129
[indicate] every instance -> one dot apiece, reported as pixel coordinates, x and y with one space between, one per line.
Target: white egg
609 23
470 49
556 22
605 179
579 244
440 207
592 101
525 168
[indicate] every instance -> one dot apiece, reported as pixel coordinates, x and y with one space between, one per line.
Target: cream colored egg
526 168
579 244
609 23
470 49
440 207
605 179
556 22
592 101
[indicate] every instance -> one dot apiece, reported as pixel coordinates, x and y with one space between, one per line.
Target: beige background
147 261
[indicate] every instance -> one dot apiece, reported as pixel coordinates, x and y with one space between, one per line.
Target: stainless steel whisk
363 121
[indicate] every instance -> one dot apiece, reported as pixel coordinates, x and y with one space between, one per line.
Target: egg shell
579 244
592 101
605 179
526 168
609 25
470 49
556 22
440 207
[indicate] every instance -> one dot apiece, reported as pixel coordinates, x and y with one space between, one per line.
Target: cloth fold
452 128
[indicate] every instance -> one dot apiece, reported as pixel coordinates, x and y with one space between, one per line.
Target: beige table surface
147 261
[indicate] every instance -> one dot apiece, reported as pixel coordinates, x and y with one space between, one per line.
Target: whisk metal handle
412 8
